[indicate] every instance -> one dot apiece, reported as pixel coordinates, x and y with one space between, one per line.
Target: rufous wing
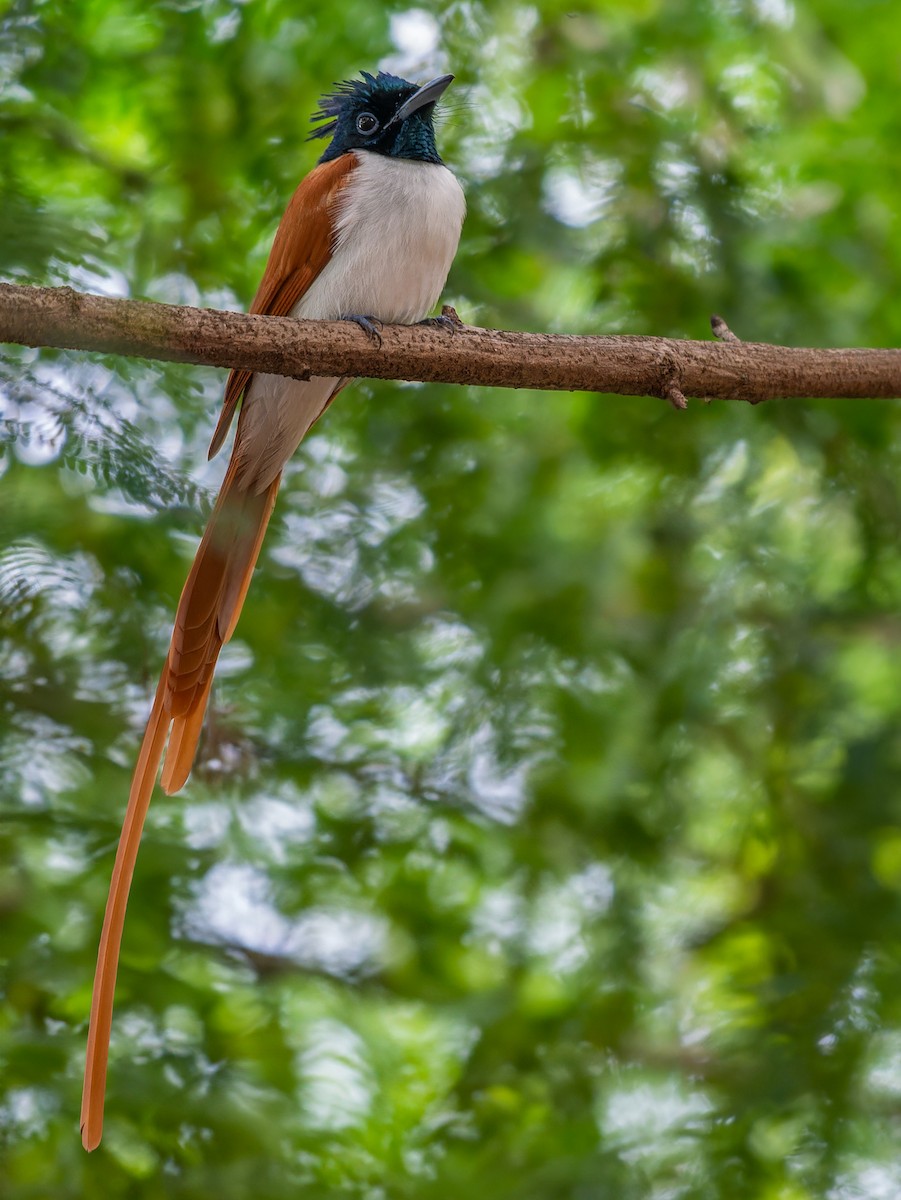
303 245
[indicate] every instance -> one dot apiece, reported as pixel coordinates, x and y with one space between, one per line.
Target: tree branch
630 366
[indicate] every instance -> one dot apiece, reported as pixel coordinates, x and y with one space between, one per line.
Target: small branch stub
721 330
675 397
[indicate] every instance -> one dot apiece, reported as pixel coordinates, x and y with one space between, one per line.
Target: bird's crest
351 91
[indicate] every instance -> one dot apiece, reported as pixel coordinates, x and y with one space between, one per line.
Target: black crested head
382 113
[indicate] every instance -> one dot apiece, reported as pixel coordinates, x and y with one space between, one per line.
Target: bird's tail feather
208 611
113 920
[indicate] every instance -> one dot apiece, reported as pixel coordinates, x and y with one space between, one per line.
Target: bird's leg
369 325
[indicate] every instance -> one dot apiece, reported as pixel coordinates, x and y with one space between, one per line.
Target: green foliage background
547 836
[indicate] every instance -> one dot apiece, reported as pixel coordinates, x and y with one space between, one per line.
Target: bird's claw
369 325
449 321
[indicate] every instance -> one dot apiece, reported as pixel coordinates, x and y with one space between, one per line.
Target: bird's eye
366 123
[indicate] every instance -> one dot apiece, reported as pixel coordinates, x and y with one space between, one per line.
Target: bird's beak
427 94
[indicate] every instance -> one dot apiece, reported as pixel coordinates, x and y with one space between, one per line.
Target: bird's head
382 113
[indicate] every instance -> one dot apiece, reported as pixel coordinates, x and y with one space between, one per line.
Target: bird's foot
369 325
442 322
448 321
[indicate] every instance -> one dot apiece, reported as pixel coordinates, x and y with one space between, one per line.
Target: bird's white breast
397 232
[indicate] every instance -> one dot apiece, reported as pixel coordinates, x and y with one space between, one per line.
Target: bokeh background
546 839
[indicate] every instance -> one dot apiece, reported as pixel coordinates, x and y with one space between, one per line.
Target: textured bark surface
672 369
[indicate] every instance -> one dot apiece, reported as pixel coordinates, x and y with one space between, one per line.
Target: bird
368 236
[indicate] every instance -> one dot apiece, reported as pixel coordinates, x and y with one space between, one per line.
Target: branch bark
630 366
